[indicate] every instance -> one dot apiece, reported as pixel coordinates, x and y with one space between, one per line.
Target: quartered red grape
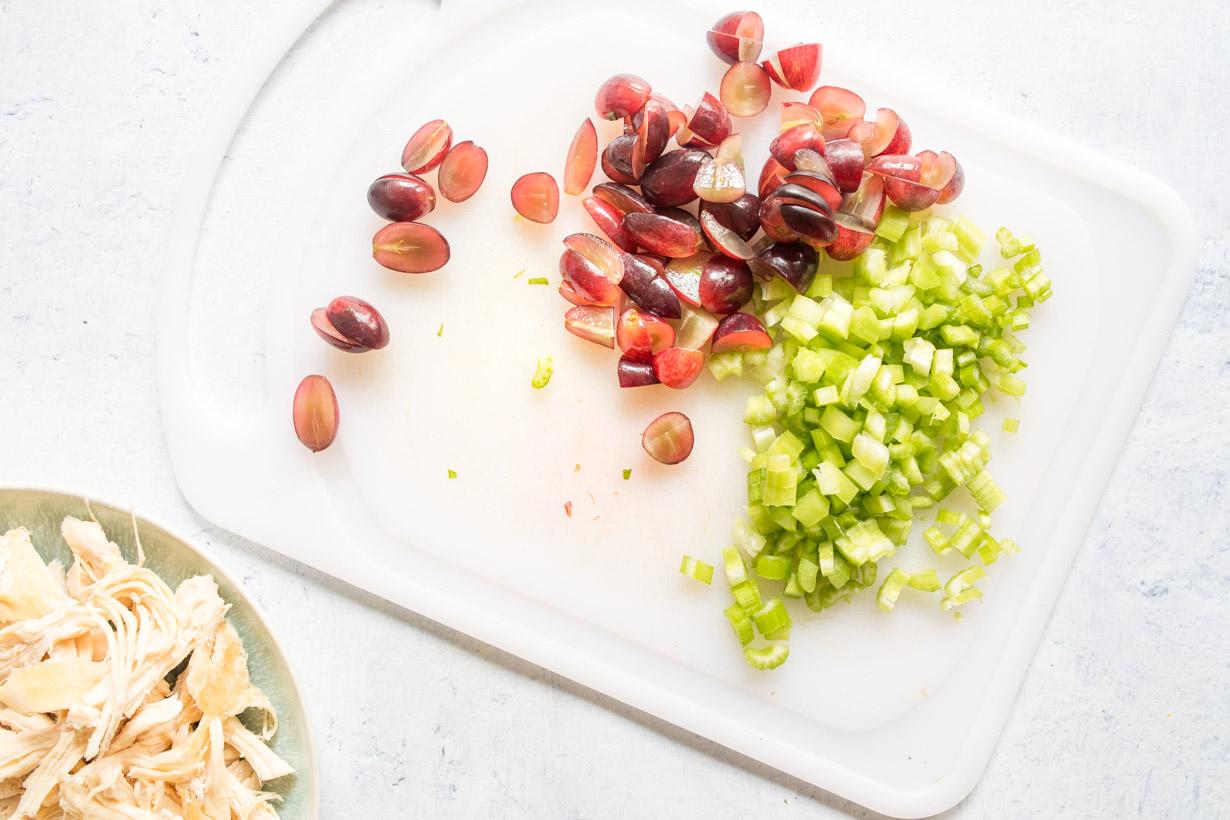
463 171
796 68
771 176
669 438
640 335
720 177
677 368
745 89
724 239
652 124
594 324
635 373
817 178
794 139
610 221
954 186
725 285
571 294
793 261
401 197
861 209
669 180
889 134
536 197
582 159
617 159
710 122
846 160
663 234
593 267
741 216
426 147
737 36
351 324
798 113
740 332
695 328
645 285
621 96
839 109
410 247
683 276
622 198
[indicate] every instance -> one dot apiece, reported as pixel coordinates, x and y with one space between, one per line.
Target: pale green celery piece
697 569
787 444
741 623
943 362
859 382
875 425
1008 244
886 598
745 452
863 478
807 574
891 301
865 325
835 322
838 425
791 590
831 481
918 354
877 505
826 395
773 567
870 453
808 366
944 387
811 508
759 411
824 557
893 223
774 315
909 247
766 657
959 335
840 576
933 224
1011 425
821 286
871 265
542 374
724 365
1009 384
924 581
798 329
755 358
771 617
747 595
933 316
780 487
762 437
806 310
776 288
985 491
734 565
941 241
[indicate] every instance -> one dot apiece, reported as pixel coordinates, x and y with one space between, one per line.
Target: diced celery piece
835 321
886 598
918 354
697 569
893 223
773 567
724 365
780 486
1011 425
799 329
811 508
926 581
820 287
871 264
771 290
759 411
766 657
831 481
838 425
825 395
872 454
960 335
808 366
741 623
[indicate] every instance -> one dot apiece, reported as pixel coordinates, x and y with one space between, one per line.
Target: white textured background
1126 710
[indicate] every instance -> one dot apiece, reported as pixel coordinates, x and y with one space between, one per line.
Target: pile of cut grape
873 373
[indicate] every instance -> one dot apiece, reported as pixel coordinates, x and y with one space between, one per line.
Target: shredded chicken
93 721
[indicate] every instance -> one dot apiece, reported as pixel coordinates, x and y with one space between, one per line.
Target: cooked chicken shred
91 725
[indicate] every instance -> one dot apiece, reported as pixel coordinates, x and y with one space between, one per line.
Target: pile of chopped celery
871 392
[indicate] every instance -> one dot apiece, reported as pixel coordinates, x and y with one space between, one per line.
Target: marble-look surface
1126 709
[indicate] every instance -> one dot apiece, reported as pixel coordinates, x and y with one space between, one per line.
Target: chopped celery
725 365
695 568
771 617
773 567
766 657
741 623
886 598
542 375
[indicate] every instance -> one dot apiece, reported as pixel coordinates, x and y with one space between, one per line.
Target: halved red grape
737 36
641 335
848 244
889 135
900 143
582 158
955 185
745 89
904 181
710 122
401 197
621 96
663 234
846 160
635 373
683 276
669 179
684 216
594 324
622 198
740 332
573 295
839 109
600 252
669 438
898 166
793 261
789 142
741 216
355 321
725 284
536 197
426 147
816 228
937 169
644 284
796 68
652 132
314 413
587 280
723 238
720 178
463 171
695 328
819 182
410 247
610 221
677 368
617 159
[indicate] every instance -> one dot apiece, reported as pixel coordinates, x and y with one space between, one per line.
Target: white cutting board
898 712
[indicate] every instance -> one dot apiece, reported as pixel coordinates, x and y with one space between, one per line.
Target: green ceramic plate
174 559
